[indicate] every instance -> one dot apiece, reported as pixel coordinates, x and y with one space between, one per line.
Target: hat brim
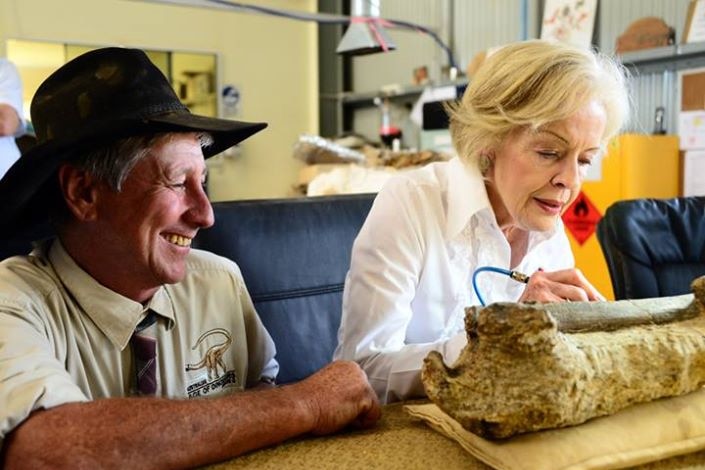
25 187
226 133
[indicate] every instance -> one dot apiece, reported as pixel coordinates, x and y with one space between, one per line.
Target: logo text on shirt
216 376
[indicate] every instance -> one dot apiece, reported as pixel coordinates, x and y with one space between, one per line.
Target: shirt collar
466 195
115 315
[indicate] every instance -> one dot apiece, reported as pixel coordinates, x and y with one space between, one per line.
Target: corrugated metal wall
615 16
413 49
650 90
480 24
376 71
468 26
471 26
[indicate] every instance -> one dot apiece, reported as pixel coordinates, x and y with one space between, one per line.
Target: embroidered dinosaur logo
213 359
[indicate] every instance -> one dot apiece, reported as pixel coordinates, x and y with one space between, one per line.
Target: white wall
273 61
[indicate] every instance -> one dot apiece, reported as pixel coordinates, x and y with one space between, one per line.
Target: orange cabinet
635 166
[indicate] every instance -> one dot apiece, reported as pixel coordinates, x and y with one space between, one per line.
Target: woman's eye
585 162
548 154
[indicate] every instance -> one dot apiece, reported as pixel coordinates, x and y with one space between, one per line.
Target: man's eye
178 185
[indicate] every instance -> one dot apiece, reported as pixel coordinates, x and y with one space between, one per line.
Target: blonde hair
533 83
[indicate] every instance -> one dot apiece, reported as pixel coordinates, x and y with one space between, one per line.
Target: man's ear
80 191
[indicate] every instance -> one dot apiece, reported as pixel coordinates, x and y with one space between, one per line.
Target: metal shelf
671 58
649 61
401 93
659 59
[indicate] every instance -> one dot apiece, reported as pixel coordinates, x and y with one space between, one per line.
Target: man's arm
163 433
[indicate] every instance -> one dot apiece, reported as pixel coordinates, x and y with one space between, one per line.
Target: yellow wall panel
272 61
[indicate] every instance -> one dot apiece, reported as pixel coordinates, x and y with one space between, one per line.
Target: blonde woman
534 118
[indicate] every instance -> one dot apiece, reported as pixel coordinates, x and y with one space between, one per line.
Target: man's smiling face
148 226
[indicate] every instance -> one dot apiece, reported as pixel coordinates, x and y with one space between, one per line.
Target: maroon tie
144 350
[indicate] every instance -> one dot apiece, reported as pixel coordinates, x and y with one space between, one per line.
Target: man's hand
338 395
559 286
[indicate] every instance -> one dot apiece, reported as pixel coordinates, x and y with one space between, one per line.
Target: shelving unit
655 82
400 94
669 58
337 104
346 103
649 61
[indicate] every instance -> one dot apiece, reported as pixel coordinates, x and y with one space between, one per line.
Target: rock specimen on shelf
645 33
528 367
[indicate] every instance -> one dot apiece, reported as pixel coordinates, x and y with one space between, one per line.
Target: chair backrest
14 247
23 244
653 247
294 255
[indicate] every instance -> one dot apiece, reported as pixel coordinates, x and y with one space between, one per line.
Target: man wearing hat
111 330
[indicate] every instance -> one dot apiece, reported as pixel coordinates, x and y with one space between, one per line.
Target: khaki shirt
65 338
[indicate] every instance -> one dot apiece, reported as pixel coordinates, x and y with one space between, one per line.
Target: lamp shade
365 37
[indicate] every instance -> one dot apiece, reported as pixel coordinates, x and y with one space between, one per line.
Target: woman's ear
486 161
80 191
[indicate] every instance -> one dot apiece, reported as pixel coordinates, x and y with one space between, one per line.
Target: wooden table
397 442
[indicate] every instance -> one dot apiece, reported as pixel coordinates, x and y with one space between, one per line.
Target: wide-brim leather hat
93 100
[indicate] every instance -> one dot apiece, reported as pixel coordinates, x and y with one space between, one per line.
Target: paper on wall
694 173
695 22
691 128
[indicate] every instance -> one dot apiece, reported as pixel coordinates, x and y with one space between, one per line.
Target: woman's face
535 175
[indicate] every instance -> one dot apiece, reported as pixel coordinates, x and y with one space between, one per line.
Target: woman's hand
559 286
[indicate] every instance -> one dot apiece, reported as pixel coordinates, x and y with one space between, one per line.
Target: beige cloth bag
636 435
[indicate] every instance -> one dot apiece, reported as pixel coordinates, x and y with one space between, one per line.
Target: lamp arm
423 29
326 18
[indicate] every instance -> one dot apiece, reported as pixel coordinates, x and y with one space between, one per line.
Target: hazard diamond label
581 218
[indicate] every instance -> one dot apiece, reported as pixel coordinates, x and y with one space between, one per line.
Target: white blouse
410 277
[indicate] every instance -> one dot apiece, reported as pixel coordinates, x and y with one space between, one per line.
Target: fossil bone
528 367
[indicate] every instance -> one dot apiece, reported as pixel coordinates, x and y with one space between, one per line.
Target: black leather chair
294 255
14 247
653 247
23 244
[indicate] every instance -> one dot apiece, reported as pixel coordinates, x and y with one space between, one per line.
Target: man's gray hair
113 163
